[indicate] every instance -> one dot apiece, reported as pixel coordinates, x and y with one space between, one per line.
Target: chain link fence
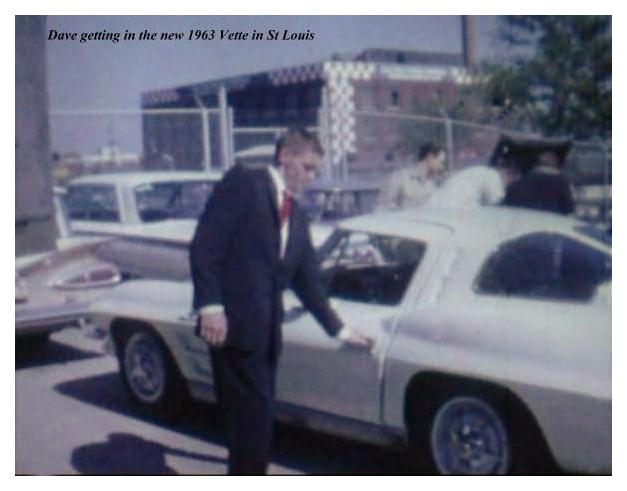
204 138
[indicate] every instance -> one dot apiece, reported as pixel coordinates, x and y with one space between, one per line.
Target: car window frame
181 184
422 267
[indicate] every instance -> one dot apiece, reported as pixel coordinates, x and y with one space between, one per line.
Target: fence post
206 144
204 118
448 132
326 124
231 137
224 124
322 136
606 183
344 166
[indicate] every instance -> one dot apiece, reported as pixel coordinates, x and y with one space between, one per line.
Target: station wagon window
166 200
545 266
369 268
93 202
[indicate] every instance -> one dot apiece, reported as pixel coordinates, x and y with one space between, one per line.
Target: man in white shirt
412 186
473 187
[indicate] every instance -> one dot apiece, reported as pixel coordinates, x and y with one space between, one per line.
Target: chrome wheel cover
469 437
144 367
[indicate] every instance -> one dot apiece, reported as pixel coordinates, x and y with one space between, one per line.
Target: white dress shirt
279 184
470 188
408 187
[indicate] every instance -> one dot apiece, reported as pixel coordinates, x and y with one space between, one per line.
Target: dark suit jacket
235 260
541 191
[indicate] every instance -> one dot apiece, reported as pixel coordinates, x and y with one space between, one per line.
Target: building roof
384 63
410 57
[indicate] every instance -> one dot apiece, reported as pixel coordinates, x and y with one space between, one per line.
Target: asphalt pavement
73 417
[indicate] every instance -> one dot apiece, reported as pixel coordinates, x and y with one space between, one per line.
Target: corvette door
367 277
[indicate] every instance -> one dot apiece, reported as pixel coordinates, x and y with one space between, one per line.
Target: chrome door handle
190 317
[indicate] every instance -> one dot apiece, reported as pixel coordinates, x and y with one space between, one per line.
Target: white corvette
492 329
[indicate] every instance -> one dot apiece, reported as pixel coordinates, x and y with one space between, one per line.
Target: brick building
338 97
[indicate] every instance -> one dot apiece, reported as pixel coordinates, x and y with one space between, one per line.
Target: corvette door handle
191 317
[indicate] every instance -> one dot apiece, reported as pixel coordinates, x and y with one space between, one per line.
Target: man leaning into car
252 241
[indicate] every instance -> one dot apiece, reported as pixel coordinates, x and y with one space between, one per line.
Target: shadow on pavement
107 392
37 351
296 448
128 454
317 453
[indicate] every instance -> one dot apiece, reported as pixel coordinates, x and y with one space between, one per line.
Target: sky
103 75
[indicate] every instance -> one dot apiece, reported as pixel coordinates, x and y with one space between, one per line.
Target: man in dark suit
252 242
543 188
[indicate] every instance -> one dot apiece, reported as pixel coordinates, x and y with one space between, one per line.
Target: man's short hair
297 139
427 149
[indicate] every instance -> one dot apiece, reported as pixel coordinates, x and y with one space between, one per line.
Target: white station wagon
110 204
54 290
492 329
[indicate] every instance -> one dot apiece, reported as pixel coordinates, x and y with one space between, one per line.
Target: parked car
55 290
585 166
328 202
492 330
154 211
109 203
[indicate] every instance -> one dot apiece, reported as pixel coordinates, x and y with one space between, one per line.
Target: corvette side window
371 268
545 266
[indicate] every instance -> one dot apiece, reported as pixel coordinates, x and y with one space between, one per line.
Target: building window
260 101
369 131
395 98
282 101
291 98
313 97
366 98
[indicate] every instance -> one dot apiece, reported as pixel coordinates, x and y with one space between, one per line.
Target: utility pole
468 42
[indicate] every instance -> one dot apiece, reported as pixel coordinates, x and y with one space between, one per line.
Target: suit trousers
245 386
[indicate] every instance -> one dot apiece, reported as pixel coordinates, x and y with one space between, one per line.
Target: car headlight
93 277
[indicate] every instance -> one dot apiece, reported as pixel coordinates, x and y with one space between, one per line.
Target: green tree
563 84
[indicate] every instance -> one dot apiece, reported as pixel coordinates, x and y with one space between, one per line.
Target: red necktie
286 208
